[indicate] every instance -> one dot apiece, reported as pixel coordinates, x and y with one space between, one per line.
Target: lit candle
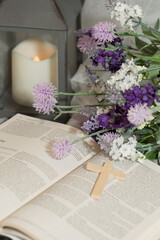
33 61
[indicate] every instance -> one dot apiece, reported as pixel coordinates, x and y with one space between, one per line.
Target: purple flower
91 125
115 97
103 120
44 97
143 94
118 115
115 60
87 44
100 57
106 140
87 111
45 105
61 148
139 114
103 31
44 90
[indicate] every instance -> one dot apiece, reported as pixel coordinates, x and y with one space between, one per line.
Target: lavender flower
87 111
144 94
106 140
61 148
100 57
139 114
87 44
91 75
91 125
115 60
103 31
44 97
115 97
103 120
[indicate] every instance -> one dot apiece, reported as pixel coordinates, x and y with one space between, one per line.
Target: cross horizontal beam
104 172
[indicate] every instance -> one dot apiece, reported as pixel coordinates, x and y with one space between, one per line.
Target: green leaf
156 35
155 109
145 47
131 33
156 26
144 131
146 30
155 72
158 137
146 57
157 120
152 154
159 158
155 65
139 43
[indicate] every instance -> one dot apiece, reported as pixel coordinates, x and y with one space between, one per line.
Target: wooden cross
104 172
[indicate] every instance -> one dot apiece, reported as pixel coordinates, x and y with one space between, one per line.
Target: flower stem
80 106
148 70
88 136
146 26
80 94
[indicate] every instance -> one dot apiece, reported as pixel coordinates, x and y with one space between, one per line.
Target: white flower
140 76
121 150
126 77
125 13
137 11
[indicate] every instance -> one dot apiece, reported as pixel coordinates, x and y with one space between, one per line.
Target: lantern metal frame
53 17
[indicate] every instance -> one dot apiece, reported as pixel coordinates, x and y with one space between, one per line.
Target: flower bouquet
126 120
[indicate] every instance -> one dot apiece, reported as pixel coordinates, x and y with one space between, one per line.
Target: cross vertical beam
104 173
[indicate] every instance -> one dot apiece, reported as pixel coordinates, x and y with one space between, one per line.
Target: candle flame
36 59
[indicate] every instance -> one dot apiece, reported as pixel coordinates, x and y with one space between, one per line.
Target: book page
26 165
128 209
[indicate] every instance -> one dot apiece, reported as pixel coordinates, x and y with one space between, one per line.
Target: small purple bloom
104 31
139 114
91 125
87 44
44 90
44 97
61 148
105 140
87 111
45 106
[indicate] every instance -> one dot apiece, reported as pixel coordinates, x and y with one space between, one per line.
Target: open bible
44 198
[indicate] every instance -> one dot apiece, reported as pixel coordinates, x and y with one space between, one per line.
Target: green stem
80 106
146 26
148 70
88 136
65 112
80 94
128 34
